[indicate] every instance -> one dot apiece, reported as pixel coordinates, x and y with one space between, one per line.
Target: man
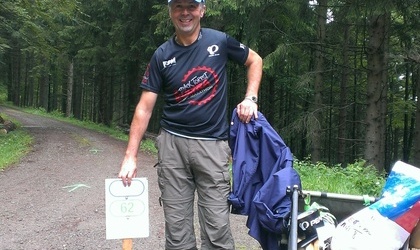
189 70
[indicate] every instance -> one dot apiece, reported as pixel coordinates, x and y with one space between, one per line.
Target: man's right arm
138 127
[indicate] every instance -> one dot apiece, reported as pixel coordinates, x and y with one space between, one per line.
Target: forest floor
54 198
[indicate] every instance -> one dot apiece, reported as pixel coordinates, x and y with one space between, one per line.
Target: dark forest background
341 77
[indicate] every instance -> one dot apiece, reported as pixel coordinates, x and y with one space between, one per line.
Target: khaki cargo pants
186 165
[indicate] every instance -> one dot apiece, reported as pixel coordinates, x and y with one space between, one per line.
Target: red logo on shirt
196 82
145 79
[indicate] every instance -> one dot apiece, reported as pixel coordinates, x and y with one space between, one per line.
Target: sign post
127 210
127 244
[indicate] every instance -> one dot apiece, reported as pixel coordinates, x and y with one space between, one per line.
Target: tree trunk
14 76
318 84
416 151
44 88
78 96
102 97
342 126
70 82
25 96
376 91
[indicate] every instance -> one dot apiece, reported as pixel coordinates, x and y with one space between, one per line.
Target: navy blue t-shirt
193 81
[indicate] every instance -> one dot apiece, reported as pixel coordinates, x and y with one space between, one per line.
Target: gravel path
38 212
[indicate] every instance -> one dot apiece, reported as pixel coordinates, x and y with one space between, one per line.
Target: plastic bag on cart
387 223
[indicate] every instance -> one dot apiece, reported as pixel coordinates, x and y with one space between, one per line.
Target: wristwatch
252 98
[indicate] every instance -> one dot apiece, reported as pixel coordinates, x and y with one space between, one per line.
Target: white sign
127 209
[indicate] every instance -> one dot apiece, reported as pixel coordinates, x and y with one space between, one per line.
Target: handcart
340 205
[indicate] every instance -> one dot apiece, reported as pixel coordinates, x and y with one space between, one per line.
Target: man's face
186 15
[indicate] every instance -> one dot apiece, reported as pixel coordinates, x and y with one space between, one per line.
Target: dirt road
39 209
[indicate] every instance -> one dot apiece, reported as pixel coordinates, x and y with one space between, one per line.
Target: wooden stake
127 244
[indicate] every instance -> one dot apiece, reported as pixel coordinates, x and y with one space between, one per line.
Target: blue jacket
262 170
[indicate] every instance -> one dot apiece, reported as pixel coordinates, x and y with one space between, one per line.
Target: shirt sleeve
152 79
237 51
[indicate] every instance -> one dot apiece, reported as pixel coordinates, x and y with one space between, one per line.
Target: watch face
252 98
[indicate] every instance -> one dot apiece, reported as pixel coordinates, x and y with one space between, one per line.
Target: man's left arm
248 107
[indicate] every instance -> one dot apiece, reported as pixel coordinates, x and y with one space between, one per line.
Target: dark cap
197 1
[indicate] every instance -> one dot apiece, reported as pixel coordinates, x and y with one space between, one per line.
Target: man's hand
128 170
246 109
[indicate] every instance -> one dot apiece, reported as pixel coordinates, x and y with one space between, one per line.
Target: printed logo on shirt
242 46
199 86
213 50
170 62
145 79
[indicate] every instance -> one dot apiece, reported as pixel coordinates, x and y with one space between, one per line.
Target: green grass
148 146
355 179
13 146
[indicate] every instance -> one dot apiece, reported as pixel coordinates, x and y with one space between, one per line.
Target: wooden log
7 126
